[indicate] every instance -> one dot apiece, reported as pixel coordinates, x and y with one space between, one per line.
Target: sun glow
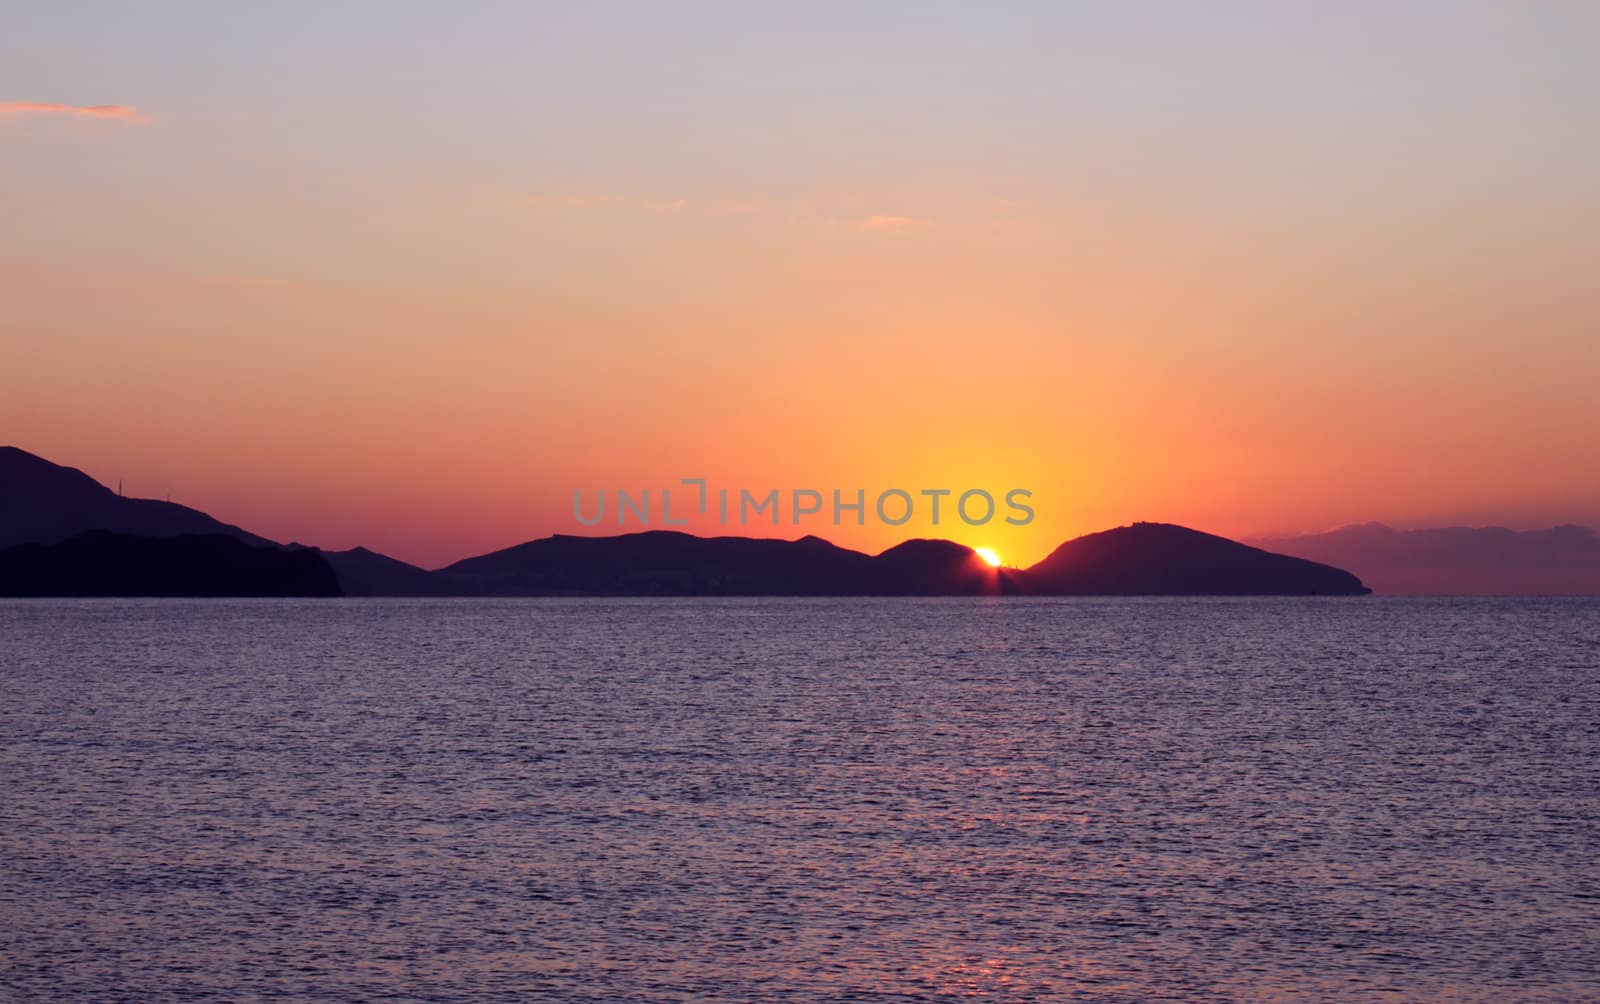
988 555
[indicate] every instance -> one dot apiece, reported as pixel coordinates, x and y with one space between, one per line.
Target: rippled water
800 800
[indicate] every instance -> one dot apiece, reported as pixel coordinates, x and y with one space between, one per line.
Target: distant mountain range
1458 560
1138 560
42 503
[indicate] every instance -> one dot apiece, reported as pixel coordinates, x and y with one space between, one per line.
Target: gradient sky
405 275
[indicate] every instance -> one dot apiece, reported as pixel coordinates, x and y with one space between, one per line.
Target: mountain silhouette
1141 560
1458 560
659 563
940 568
367 573
1148 559
670 563
102 563
43 504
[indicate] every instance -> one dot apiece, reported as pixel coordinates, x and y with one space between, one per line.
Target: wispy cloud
885 224
125 113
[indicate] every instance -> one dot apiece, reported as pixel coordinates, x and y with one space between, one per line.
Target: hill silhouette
44 504
670 563
367 573
102 563
1148 559
940 568
1141 560
1458 560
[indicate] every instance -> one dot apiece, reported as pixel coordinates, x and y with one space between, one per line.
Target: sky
408 275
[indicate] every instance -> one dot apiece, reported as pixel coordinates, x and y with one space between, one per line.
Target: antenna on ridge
119 486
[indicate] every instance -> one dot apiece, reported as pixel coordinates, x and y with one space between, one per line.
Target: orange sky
419 324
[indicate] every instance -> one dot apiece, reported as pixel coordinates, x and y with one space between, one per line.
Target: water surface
800 800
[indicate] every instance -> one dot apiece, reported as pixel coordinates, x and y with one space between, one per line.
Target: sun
988 555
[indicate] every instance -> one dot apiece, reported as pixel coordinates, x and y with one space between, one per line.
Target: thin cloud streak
124 113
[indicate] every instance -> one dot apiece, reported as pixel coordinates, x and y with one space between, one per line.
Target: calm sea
800 800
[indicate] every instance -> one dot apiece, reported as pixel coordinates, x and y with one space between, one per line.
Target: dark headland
149 547
102 563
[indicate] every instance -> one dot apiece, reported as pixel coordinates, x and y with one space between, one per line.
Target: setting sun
988 555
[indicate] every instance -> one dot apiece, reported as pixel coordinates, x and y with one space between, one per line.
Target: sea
870 800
